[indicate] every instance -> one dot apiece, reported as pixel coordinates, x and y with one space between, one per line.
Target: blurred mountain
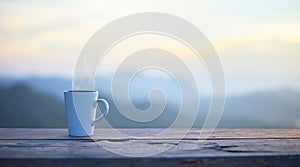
270 109
23 106
35 102
51 86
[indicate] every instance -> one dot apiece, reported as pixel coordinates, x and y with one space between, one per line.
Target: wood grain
224 147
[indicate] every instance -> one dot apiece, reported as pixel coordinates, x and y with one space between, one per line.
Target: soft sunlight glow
253 38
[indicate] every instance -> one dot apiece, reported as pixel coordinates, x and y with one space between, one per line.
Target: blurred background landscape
257 42
36 102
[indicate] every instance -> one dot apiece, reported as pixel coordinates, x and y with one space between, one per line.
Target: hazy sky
258 41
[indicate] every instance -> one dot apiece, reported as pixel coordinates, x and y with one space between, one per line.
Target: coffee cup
81 107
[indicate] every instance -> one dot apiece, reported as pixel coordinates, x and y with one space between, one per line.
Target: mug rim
80 91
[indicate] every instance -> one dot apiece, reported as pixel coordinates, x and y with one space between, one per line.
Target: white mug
81 106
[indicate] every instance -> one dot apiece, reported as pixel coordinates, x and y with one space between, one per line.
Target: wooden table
225 147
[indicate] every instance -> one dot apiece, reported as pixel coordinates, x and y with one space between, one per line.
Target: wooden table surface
224 147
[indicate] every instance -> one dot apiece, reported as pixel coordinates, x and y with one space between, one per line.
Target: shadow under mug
81 107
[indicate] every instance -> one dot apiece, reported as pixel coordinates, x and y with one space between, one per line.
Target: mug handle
103 113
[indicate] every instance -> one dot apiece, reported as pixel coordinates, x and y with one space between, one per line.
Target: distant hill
50 86
274 109
271 109
39 103
23 106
